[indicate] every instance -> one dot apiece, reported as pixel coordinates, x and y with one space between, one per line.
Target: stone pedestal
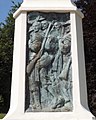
80 109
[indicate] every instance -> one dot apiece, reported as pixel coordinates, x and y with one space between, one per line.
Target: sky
5 6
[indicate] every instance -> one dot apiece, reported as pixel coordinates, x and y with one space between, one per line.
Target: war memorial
48 78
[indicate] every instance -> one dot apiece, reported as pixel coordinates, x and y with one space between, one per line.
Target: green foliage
2 115
6 55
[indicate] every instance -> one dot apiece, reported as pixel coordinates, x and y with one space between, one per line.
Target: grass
2 115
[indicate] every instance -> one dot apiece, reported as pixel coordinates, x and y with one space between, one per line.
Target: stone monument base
80 114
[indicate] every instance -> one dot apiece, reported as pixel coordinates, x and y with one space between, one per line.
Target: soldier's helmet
41 19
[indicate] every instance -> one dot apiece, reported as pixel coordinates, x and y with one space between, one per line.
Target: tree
6 53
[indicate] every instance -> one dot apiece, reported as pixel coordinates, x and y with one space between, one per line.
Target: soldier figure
66 74
34 44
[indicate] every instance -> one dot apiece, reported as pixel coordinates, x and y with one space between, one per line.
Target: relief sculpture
49 62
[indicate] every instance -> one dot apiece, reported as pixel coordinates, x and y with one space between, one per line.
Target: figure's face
44 25
57 25
65 46
37 26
